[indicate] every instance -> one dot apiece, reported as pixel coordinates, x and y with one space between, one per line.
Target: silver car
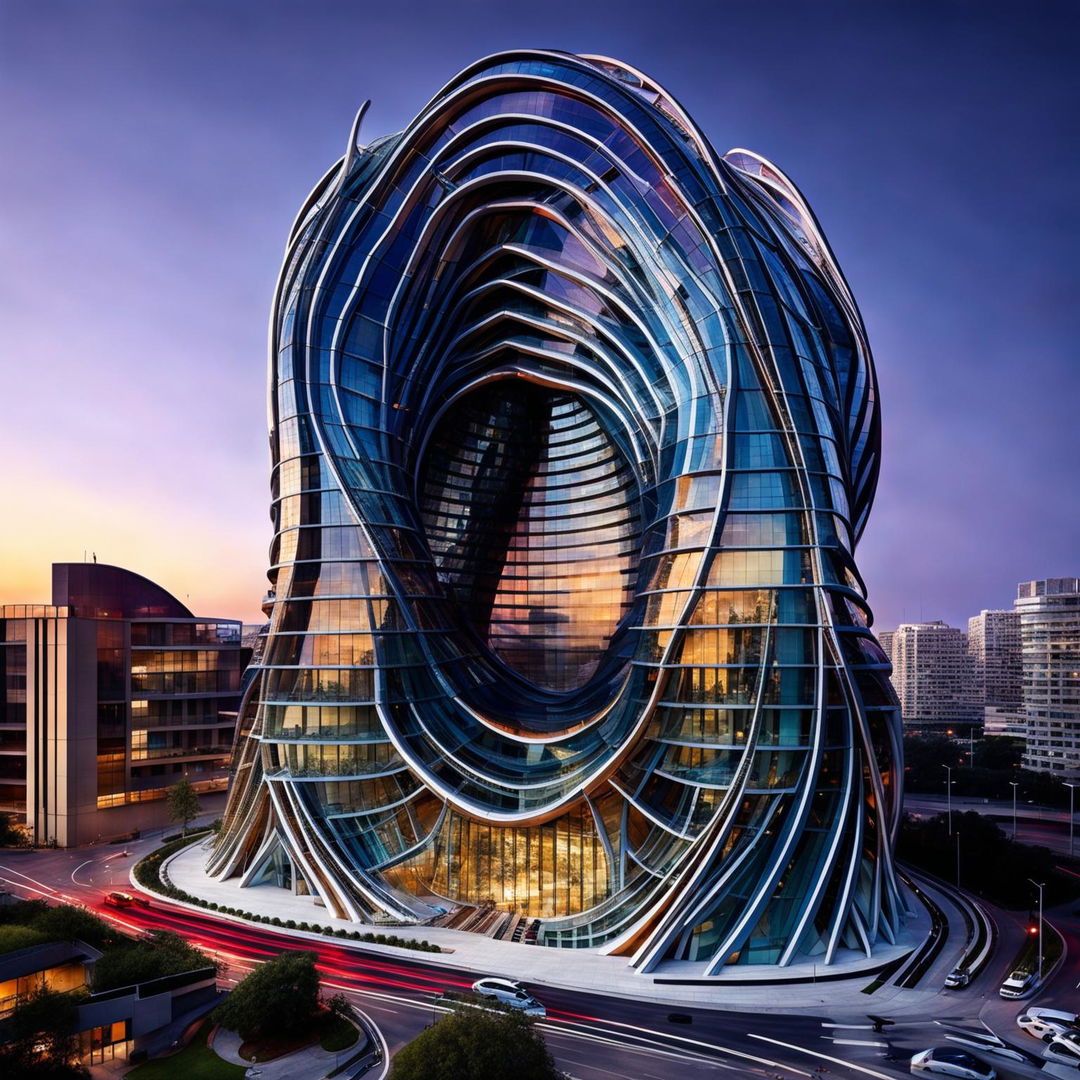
1064 1049
508 992
949 1062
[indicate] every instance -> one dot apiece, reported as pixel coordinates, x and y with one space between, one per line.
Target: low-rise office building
113 1025
59 966
112 693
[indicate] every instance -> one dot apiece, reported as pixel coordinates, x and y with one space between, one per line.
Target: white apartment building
993 642
933 677
1049 613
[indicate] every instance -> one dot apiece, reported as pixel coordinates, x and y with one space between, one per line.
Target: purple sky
155 153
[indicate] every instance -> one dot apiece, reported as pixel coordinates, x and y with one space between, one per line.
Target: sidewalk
586 970
311 1063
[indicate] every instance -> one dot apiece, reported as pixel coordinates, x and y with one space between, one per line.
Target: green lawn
338 1034
331 1032
195 1062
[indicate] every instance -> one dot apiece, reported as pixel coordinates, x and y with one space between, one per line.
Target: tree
165 953
65 922
40 1039
13 938
183 803
990 863
477 1044
62 922
12 834
997 765
999 752
339 1006
280 997
923 757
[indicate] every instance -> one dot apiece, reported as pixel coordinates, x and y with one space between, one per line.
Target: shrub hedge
148 874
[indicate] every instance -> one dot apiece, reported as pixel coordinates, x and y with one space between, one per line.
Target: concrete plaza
807 985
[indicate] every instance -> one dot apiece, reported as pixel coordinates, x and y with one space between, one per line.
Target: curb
647 992
306 935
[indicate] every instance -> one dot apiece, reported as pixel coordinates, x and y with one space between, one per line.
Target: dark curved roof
35 958
97 591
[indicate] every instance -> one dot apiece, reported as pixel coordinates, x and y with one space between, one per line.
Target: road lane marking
656 1049
28 888
824 1057
412 1003
564 1060
858 1027
644 1036
81 884
580 1031
42 884
384 1048
596 1069
567 1025
563 1027
855 1042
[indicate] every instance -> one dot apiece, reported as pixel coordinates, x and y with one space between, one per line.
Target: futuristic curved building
574 430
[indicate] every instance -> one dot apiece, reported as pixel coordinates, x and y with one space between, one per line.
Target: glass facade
185 686
574 430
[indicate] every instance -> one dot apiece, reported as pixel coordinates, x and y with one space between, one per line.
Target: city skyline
158 158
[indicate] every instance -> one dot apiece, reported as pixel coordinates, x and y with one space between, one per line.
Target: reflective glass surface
575 429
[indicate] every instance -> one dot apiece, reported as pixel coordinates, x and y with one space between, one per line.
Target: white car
1018 984
1046 1023
949 1062
1065 1049
508 992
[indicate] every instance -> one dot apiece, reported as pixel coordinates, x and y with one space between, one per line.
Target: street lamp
1013 784
948 794
1071 788
1040 888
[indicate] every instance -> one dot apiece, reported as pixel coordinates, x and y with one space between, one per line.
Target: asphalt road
1034 825
593 1037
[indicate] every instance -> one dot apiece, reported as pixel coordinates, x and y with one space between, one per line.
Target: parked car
508 992
1018 984
123 899
949 1062
1065 1049
957 979
1046 1023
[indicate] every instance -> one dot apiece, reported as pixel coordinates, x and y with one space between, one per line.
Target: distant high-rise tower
886 639
994 647
1049 612
933 677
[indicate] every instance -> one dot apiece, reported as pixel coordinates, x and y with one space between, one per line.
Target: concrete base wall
119 822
